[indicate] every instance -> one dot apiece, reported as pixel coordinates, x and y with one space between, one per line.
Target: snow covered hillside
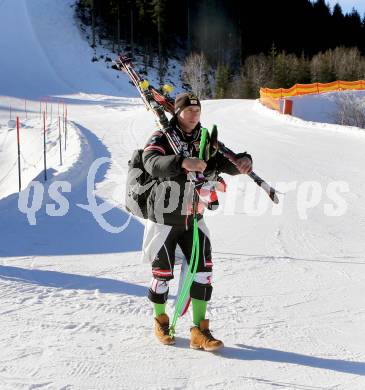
288 297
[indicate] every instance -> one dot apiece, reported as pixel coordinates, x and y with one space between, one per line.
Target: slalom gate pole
50 102
18 141
59 137
44 146
65 126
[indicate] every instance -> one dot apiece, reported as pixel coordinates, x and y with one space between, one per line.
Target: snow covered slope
322 107
42 53
288 297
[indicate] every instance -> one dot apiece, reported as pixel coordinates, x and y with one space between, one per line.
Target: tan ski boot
201 338
162 324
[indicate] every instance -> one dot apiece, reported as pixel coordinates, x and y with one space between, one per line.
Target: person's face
189 117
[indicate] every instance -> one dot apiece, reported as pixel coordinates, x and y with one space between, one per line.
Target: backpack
140 182
139 185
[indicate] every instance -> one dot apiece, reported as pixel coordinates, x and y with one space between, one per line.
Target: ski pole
272 193
194 259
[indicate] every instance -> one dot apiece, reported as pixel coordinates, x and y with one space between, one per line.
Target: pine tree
158 9
222 79
337 28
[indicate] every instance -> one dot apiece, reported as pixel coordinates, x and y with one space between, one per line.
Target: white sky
347 5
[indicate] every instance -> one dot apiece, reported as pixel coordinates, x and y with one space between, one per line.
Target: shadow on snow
70 281
77 232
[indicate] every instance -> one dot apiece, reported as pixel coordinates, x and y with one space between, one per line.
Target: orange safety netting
271 97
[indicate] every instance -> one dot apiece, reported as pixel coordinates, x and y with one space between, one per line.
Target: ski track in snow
288 292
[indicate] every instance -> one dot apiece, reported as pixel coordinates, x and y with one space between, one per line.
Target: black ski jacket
172 194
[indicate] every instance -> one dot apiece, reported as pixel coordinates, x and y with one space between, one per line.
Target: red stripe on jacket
155 147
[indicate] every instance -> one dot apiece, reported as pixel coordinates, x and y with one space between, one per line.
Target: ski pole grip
203 140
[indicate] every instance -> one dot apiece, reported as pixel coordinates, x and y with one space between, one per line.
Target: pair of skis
160 104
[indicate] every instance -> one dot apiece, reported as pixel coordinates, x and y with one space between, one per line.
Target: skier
170 218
